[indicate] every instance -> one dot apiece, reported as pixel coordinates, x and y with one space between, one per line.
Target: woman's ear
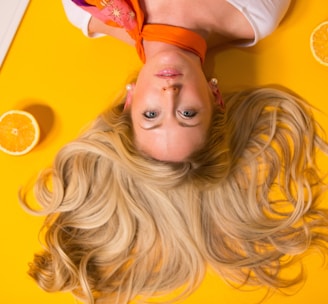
213 83
129 95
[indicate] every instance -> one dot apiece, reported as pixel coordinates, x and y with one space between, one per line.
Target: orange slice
19 132
319 43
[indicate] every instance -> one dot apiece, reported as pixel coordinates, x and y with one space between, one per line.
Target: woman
126 221
121 225
172 99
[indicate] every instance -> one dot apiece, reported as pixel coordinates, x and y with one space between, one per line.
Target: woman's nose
173 89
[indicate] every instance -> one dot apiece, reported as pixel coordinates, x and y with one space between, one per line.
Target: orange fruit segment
319 43
19 132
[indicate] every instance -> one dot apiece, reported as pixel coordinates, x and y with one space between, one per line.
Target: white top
263 15
78 16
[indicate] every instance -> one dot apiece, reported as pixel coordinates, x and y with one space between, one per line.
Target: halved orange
19 132
319 43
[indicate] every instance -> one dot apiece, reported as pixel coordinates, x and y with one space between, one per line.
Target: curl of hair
121 225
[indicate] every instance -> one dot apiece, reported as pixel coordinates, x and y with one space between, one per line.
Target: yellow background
66 79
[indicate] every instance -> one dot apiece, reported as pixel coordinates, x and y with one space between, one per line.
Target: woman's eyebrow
181 123
152 127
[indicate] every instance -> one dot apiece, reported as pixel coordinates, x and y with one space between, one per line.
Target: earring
218 97
214 82
129 88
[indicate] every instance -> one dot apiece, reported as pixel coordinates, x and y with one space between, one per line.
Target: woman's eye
150 114
188 113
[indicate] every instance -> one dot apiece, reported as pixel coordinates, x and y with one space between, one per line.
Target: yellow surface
67 79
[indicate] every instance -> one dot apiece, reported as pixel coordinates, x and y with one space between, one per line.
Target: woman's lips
168 73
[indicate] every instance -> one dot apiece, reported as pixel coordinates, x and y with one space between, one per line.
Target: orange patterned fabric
129 15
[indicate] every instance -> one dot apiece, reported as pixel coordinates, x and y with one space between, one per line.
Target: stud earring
129 88
218 97
214 82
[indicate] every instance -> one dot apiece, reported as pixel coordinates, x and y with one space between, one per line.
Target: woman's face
171 106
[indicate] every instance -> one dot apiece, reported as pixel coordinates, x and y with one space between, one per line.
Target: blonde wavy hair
121 226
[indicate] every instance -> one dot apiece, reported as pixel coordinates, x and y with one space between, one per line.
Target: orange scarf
129 15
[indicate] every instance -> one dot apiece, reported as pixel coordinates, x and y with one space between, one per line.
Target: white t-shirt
263 15
78 17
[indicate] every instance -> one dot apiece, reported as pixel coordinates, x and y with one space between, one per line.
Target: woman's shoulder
264 16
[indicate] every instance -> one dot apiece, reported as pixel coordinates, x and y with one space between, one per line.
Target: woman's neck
177 13
154 48
217 21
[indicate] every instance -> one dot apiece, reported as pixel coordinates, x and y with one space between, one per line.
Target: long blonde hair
121 225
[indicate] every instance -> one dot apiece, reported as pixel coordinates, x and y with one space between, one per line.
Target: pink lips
168 73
